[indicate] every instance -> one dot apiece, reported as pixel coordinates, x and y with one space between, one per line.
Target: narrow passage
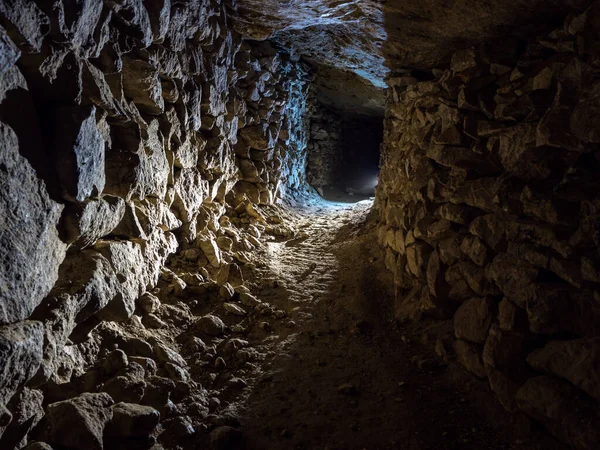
344 375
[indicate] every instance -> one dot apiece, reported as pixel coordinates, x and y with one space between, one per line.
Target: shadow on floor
347 377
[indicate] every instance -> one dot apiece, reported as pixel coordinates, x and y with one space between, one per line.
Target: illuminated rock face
124 144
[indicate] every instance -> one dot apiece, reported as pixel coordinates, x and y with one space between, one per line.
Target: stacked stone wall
489 206
128 130
325 152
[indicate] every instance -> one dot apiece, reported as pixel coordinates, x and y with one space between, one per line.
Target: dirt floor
306 354
345 375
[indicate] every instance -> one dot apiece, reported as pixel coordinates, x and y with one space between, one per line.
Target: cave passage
344 154
361 141
324 224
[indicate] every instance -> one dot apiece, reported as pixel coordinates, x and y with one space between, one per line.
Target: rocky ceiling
355 44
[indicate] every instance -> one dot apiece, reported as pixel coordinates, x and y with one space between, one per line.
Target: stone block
506 351
473 319
563 410
28 236
469 356
576 361
84 223
79 152
79 423
20 355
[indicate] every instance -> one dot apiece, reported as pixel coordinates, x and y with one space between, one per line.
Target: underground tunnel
316 224
343 155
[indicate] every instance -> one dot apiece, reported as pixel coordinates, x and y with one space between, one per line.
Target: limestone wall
127 130
325 153
489 206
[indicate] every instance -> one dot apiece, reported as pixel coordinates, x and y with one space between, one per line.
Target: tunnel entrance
343 155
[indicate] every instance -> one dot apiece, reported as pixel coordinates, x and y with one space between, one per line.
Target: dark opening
361 140
343 155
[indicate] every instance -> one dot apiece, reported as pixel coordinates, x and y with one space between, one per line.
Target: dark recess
361 138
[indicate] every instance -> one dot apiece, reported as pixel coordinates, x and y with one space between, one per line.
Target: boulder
211 250
469 356
562 409
84 223
166 355
473 319
211 325
128 262
577 361
79 422
514 277
79 152
89 278
125 388
20 356
132 420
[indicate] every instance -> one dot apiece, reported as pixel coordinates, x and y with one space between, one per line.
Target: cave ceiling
354 45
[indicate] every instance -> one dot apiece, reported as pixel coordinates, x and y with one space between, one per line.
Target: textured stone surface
473 319
27 410
32 250
85 223
133 420
79 151
497 145
79 423
561 408
351 41
576 361
20 355
168 136
154 123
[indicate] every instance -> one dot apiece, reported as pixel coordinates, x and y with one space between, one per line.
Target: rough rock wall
325 155
489 206
127 129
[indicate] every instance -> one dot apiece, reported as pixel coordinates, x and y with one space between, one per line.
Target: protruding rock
473 319
211 325
20 355
79 423
132 420
26 23
79 148
85 223
28 234
576 361
114 361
